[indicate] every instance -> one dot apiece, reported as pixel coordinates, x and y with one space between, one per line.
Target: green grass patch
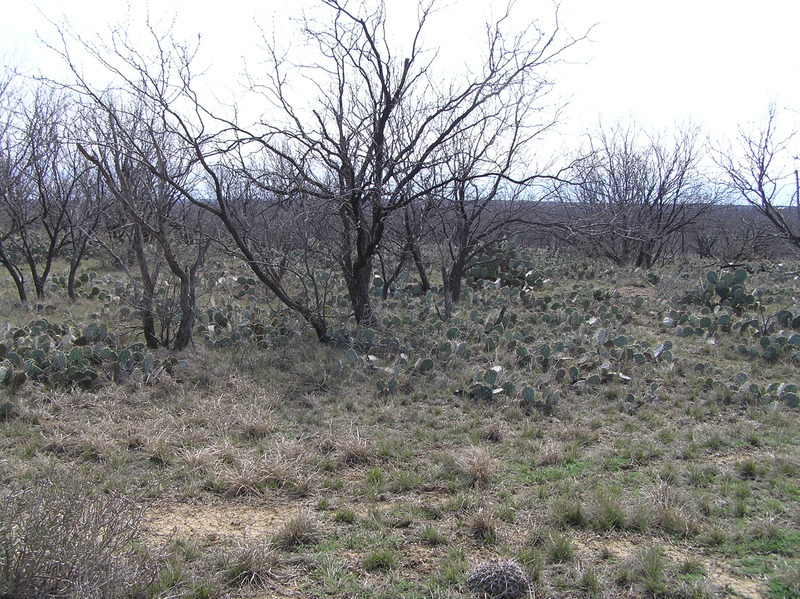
526 473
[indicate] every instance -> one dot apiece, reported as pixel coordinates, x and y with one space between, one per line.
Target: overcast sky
717 63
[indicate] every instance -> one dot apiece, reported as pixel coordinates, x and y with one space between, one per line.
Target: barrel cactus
498 579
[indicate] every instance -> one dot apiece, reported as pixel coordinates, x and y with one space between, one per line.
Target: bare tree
212 171
337 169
732 234
14 212
142 164
757 170
40 175
403 245
484 176
86 212
382 120
632 192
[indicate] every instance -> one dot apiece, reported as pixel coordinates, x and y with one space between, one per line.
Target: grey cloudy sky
717 63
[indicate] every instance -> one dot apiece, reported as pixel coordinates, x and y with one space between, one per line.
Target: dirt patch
213 521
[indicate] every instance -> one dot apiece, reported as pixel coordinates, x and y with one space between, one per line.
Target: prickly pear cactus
498 579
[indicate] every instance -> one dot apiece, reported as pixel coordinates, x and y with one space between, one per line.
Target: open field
616 432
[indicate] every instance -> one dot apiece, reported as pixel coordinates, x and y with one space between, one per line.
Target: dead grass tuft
476 465
250 562
301 530
483 526
552 453
356 450
61 539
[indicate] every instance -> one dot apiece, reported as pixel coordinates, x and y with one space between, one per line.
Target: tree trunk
358 281
319 326
425 284
452 288
38 283
149 325
149 285
389 279
448 302
188 314
19 280
73 273
79 249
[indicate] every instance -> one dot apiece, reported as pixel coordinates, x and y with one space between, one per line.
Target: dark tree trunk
38 283
149 325
452 288
19 280
645 257
358 281
149 285
452 279
425 284
78 252
73 273
389 279
183 338
188 300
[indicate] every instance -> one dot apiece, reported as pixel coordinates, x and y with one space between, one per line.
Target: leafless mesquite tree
487 180
86 211
137 159
216 174
349 160
381 121
757 170
403 245
137 141
732 235
40 176
632 192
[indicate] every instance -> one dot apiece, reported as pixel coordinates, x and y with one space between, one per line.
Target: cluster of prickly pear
730 290
773 347
723 289
751 393
506 265
65 356
548 403
486 386
225 325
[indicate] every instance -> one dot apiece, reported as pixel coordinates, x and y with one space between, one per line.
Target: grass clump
568 511
650 570
250 563
476 465
483 527
380 559
346 515
785 583
589 582
607 512
430 535
297 532
559 549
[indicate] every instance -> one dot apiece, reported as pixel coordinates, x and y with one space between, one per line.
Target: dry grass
476 465
250 562
328 487
296 532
